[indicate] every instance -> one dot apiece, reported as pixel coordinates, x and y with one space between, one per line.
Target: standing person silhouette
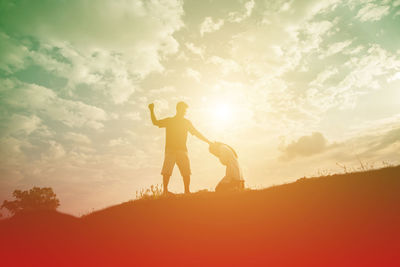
177 128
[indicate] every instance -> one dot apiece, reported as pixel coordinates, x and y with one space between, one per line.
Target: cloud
46 103
299 12
337 47
21 125
372 147
118 142
323 76
161 105
11 149
55 151
389 138
227 65
112 44
195 49
305 146
315 32
394 77
208 25
237 17
194 74
341 86
103 23
372 12
134 116
353 51
377 62
163 90
77 138
78 114
11 54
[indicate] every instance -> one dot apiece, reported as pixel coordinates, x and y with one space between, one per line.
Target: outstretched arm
196 133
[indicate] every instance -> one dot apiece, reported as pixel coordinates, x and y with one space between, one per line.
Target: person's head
181 108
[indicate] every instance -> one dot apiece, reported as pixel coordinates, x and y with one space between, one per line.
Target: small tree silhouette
34 199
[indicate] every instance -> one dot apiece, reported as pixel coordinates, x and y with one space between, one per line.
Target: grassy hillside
339 220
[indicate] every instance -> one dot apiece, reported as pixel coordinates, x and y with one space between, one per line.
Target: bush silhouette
34 199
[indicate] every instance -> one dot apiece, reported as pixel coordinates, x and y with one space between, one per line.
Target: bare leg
165 183
186 182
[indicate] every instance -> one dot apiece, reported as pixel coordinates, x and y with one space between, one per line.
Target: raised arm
152 115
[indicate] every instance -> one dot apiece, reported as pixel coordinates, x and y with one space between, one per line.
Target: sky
297 88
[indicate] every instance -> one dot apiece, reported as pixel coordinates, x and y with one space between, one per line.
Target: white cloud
227 65
195 49
193 74
315 32
298 12
104 70
323 76
353 51
77 114
118 142
366 69
237 17
208 25
11 151
394 77
128 39
122 87
118 26
163 90
322 6
161 105
29 96
55 151
77 138
336 48
372 12
11 54
300 41
22 125
44 102
135 116
363 74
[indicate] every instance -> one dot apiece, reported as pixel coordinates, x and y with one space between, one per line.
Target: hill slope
340 220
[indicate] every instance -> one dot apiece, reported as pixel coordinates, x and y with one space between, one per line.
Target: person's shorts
181 159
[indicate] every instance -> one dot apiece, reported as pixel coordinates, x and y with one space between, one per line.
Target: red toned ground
340 220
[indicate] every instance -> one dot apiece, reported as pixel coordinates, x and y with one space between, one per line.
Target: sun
223 113
220 113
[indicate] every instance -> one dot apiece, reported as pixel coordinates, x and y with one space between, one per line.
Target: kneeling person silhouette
233 179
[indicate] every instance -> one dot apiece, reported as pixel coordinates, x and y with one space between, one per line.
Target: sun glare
223 113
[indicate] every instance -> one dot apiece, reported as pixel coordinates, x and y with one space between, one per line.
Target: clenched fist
151 106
